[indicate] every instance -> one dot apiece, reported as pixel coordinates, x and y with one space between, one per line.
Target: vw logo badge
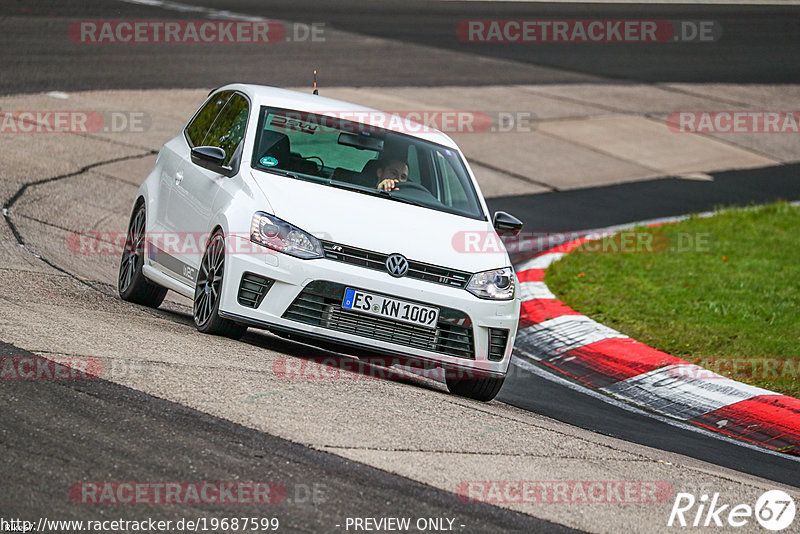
397 265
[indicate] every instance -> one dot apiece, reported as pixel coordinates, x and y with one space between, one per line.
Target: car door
177 151
194 189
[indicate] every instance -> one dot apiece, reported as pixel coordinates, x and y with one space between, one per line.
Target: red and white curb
555 335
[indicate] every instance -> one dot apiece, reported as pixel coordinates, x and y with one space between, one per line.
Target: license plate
390 308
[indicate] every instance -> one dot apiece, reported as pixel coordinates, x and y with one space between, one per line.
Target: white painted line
187 8
556 336
534 290
547 375
540 262
58 94
698 176
683 390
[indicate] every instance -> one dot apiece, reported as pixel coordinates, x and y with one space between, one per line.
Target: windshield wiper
353 187
376 193
282 172
296 176
406 200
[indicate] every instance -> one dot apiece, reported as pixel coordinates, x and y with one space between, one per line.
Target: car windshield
342 153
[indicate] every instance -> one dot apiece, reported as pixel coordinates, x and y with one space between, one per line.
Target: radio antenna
315 82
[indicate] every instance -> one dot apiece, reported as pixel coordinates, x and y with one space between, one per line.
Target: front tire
131 282
208 292
481 389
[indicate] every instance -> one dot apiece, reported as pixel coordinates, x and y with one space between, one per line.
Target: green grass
723 291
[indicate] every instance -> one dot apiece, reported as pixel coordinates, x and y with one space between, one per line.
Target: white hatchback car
266 212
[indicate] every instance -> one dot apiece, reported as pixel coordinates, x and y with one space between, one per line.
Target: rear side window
228 130
204 118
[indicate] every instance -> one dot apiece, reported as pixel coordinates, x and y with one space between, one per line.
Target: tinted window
228 130
204 118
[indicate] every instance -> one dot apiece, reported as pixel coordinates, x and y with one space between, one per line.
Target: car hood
382 225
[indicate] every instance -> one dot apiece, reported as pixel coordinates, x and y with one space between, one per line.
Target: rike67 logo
774 510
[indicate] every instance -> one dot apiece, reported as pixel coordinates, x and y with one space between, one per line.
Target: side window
454 194
202 121
228 130
413 164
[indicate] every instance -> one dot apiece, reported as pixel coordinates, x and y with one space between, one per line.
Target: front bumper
462 314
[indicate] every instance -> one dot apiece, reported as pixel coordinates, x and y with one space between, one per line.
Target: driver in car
390 173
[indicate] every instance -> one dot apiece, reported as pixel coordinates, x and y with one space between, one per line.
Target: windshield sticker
449 153
268 161
290 123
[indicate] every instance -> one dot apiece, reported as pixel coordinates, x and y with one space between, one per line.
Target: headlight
279 235
497 284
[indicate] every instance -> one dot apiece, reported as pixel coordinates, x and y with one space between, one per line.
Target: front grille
377 261
252 289
320 304
498 339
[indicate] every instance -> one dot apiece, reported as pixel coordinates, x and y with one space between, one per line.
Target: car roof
263 95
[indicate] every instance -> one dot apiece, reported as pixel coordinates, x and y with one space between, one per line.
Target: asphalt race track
331 486
388 44
758 47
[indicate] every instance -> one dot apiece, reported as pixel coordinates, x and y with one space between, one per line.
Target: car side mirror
211 158
506 223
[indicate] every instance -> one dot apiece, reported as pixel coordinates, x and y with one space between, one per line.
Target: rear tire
208 292
481 389
131 282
